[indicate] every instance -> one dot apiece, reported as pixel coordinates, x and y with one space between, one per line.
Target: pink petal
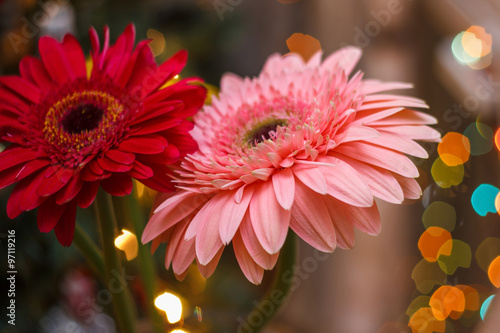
406 117
345 183
366 219
184 256
410 187
417 132
311 176
270 221
342 221
208 269
253 272
284 187
376 86
311 220
356 133
232 214
381 157
345 58
170 212
381 182
208 241
399 143
253 246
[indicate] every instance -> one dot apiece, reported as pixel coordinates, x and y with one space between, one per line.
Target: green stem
91 252
280 288
129 205
125 313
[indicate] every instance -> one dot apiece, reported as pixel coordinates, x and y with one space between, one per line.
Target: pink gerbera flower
301 146
70 132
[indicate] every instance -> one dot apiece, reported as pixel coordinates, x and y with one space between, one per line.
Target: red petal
127 68
54 60
9 176
95 168
155 125
160 180
120 156
31 199
168 156
65 229
48 215
119 53
70 191
110 165
150 144
74 55
118 184
184 143
87 194
156 110
31 167
141 81
140 171
39 74
166 71
15 155
54 182
22 87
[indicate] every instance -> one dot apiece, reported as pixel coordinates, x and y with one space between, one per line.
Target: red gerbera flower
70 132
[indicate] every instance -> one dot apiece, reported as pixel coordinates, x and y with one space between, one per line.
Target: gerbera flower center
264 131
83 121
82 117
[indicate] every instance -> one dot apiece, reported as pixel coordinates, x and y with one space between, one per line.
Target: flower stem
91 252
280 288
129 205
125 313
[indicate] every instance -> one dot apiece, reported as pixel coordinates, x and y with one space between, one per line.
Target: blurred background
436 262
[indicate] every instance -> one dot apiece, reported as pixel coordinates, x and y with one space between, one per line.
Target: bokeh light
421 301
431 241
497 203
426 275
480 138
454 149
453 254
127 242
198 313
423 321
440 214
157 43
494 272
471 297
488 250
445 300
178 330
172 306
485 306
473 48
303 44
497 139
446 176
483 199
477 43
